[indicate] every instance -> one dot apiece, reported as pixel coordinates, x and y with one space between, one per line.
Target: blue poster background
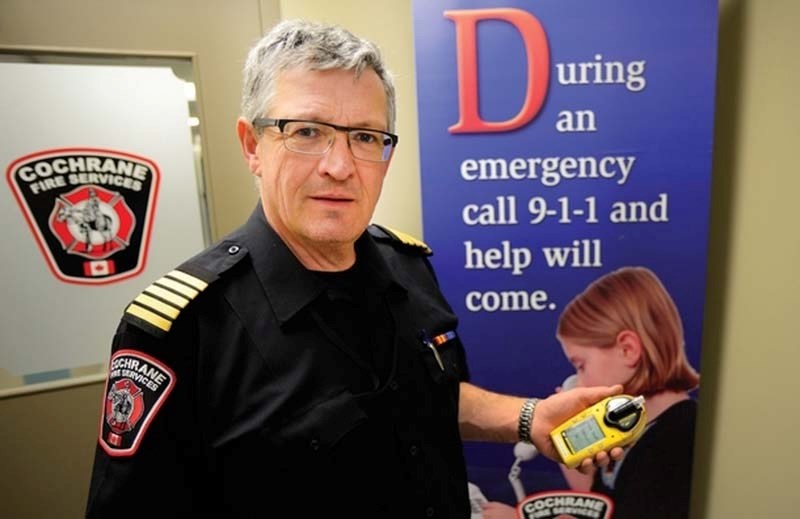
663 127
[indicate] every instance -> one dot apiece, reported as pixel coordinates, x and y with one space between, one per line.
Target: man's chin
336 233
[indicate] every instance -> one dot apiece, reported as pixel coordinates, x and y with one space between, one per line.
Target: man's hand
559 407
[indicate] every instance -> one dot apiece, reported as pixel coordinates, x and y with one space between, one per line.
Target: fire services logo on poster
90 210
565 505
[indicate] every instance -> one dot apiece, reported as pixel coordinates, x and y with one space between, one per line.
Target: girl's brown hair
633 298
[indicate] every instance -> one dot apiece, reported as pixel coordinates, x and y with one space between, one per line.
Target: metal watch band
525 420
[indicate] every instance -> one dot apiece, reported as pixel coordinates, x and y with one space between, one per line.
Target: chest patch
137 386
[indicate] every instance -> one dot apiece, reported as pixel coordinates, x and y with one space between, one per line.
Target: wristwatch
526 419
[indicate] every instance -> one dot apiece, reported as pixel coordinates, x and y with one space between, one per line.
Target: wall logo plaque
90 210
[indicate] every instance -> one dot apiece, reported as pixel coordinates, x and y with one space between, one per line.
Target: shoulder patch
157 306
383 233
136 387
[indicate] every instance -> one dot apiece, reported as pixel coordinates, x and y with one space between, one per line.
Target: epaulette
157 307
382 233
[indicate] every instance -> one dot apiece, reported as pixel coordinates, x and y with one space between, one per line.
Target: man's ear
631 346
249 144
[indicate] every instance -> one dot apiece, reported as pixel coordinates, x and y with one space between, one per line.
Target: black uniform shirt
234 391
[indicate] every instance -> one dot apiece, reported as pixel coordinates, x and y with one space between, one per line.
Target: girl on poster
624 328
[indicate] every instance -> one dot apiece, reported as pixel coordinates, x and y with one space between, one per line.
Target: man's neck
318 255
315 254
334 258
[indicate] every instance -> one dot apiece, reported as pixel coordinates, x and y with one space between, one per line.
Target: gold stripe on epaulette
197 283
410 240
177 286
151 317
159 306
171 297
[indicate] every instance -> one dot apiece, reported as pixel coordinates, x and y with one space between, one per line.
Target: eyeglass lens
316 138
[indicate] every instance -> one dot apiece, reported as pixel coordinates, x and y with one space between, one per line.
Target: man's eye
306 132
365 137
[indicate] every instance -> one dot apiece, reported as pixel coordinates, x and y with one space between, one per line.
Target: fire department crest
124 406
137 386
90 210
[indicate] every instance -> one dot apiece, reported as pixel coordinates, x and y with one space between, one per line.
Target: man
306 365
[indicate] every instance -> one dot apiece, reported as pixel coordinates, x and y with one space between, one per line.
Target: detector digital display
583 434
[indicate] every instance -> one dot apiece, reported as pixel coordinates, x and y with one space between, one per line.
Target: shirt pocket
443 356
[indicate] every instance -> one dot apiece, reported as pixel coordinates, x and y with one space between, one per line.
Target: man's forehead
333 93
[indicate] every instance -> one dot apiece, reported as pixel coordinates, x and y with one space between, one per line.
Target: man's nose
338 162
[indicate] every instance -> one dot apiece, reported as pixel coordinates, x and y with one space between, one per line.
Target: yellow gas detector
616 421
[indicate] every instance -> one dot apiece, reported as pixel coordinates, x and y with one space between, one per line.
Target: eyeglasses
316 138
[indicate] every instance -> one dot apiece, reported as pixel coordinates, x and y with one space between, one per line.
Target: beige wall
748 442
746 446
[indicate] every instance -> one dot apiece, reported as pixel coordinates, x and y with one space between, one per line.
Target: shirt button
393 385
233 249
412 450
429 511
314 444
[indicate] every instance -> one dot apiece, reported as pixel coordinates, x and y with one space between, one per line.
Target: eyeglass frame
267 122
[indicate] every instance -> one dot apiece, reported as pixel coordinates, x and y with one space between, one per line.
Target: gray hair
313 46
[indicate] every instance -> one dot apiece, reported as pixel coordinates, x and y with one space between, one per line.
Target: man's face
315 202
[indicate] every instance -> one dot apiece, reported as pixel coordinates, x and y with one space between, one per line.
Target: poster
561 143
